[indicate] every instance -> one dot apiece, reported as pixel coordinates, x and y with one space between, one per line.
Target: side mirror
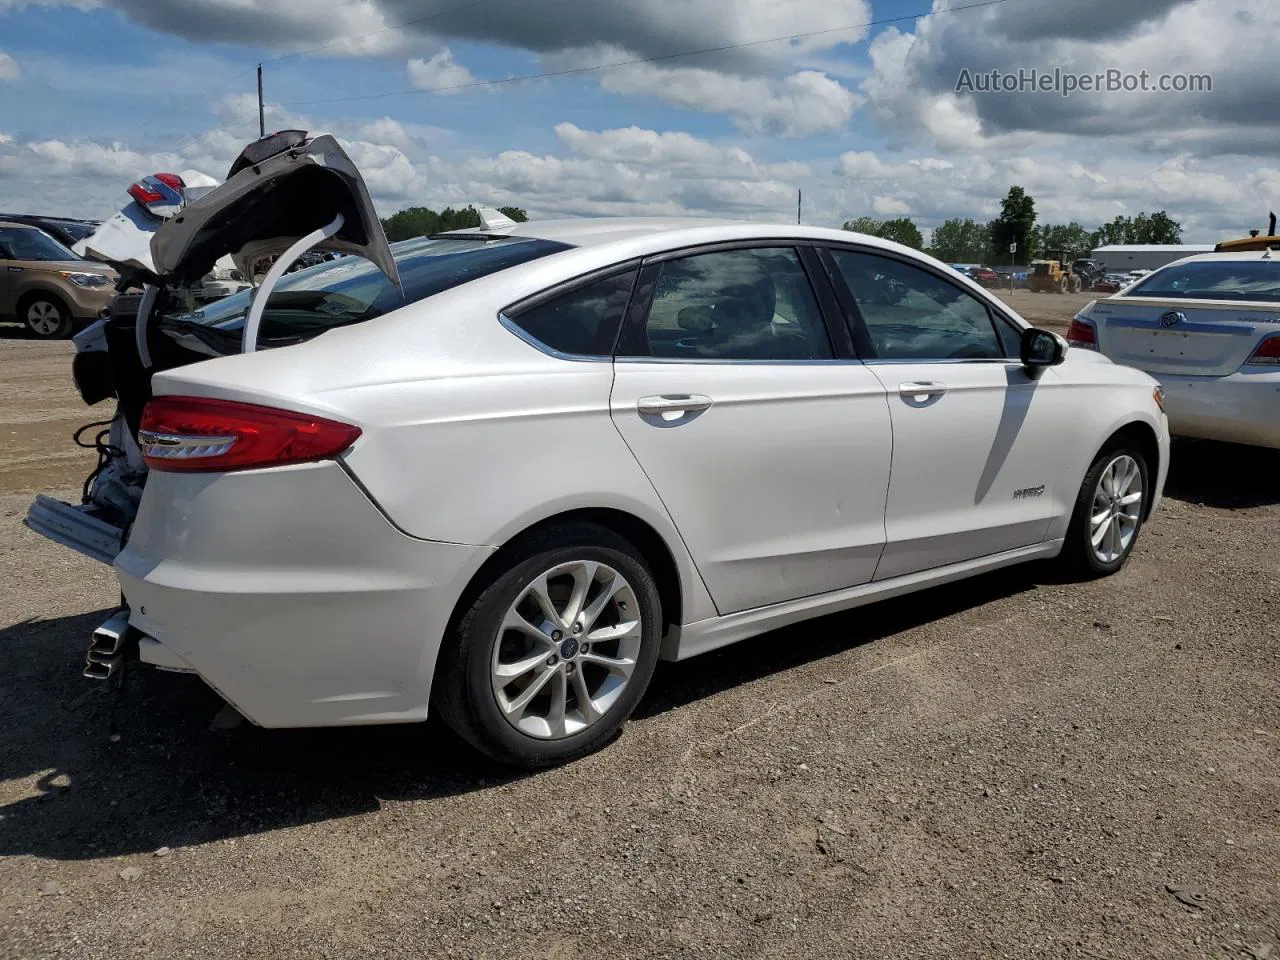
1041 348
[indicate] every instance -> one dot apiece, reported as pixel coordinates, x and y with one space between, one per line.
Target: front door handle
922 388
672 403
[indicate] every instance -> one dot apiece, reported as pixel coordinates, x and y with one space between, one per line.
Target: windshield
1214 280
352 289
28 243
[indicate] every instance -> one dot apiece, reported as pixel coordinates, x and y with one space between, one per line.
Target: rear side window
583 322
754 304
1214 280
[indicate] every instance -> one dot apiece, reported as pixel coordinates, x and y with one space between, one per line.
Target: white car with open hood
1208 327
501 472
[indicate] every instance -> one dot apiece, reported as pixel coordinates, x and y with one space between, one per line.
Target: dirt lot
1012 767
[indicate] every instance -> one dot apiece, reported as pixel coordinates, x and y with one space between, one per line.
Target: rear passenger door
976 453
766 440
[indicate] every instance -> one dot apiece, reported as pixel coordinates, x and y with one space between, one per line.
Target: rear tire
45 317
1109 512
546 663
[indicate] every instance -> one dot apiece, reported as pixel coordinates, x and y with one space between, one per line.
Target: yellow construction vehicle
1053 275
1252 241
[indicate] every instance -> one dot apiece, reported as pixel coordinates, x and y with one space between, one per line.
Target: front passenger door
976 455
769 451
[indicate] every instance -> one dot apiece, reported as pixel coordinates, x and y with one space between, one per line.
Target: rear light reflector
1268 351
1082 333
196 434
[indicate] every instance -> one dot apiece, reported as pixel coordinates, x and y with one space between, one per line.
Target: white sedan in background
501 472
1208 327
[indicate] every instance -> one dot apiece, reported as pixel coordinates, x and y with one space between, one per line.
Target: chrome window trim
537 344
726 361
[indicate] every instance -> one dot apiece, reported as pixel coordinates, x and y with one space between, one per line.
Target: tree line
971 241
423 222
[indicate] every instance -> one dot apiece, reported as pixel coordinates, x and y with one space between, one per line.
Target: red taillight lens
144 194
1268 351
1081 333
199 434
151 189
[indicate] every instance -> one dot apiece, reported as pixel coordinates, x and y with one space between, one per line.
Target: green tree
1014 225
961 241
422 221
900 230
1156 227
1071 239
867 225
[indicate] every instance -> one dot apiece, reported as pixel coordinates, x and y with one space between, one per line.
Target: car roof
670 232
1228 256
7 222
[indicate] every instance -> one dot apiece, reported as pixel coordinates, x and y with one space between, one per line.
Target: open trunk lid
279 190
1179 336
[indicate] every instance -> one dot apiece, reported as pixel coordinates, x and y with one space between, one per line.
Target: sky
660 107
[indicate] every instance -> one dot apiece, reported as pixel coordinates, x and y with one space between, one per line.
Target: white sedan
501 472
1208 327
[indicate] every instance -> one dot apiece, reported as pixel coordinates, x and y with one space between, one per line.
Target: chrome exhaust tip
109 646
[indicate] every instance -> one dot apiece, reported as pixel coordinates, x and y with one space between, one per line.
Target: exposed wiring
106 452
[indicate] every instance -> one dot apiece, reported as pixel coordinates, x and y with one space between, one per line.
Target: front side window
1214 280
583 322
754 304
28 243
911 314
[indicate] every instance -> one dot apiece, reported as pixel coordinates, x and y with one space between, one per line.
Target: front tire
549 660
1109 512
46 317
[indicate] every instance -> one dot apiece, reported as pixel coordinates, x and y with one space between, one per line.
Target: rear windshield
1214 280
351 290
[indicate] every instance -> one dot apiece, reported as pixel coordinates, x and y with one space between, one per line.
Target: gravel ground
1016 766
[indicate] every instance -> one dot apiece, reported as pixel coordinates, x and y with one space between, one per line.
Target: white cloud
441 74
798 105
9 69
911 89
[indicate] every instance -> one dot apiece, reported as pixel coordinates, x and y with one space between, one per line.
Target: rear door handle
672 403
922 388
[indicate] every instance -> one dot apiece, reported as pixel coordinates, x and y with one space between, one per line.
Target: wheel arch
1140 433
39 293
652 547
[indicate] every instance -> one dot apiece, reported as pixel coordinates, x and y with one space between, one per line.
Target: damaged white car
499 472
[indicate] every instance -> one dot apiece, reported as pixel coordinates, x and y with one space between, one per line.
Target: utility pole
262 112
799 197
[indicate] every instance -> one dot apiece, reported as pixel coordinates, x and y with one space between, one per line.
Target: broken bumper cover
76 527
290 594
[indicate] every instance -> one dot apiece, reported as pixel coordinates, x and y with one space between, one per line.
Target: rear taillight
199 434
158 188
1082 333
1268 351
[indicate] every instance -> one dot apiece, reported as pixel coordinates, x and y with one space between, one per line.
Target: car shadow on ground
1224 475
130 771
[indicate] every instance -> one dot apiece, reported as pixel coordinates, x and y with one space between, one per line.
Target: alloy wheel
566 649
1117 509
43 318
